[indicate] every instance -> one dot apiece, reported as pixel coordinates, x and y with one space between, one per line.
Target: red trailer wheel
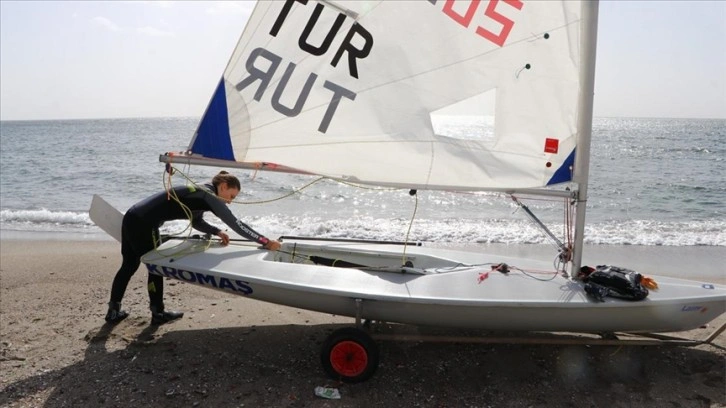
349 355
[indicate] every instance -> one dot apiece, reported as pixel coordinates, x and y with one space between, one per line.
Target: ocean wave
449 230
505 231
45 217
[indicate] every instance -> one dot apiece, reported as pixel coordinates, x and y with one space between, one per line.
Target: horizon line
199 118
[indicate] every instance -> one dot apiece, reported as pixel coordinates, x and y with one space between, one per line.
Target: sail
347 89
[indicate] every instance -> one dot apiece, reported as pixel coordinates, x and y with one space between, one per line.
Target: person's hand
225 238
272 245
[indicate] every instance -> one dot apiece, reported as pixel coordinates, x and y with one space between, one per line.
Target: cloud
163 3
154 3
104 22
230 7
146 30
154 32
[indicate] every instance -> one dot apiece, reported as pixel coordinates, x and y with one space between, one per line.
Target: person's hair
224 177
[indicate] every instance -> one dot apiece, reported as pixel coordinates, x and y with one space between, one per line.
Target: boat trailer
350 354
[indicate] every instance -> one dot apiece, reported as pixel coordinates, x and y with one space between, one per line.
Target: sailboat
347 90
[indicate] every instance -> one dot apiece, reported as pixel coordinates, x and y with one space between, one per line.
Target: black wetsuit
140 232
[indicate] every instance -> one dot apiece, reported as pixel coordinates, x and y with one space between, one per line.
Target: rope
565 249
171 170
293 192
410 224
171 195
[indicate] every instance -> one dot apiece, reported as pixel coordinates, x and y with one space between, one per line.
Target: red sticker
552 145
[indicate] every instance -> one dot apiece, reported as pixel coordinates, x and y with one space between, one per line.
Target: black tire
349 355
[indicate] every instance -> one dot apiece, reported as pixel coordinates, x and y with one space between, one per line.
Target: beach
230 351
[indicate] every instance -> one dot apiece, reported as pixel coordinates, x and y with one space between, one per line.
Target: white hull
438 291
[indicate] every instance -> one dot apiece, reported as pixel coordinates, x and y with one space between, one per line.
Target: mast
588 45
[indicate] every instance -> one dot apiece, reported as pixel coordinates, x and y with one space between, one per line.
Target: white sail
346 89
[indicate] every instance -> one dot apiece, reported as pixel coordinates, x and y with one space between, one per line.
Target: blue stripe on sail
212 139
564 173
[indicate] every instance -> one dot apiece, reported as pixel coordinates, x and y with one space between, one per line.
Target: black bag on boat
606 280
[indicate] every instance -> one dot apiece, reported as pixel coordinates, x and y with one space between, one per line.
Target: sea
653 182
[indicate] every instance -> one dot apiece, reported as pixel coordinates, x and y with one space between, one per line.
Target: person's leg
155 286
135 237
129 266
159 315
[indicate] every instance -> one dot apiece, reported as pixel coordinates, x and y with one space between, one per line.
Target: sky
113 59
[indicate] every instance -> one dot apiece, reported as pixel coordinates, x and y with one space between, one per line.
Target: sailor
140 234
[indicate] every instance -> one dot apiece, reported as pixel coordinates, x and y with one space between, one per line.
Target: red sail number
490 12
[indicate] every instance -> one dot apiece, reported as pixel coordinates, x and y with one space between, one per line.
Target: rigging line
413 216
539 223
540 198
166 182
171 194
530 274
374 188
566 250
558 265
569 216
459 267
189 214
252 202
175 170
178 254
295 191
565 224
295 255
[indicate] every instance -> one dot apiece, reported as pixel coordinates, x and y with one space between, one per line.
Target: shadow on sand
280 366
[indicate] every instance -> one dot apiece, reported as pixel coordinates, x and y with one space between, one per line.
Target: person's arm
220 210
200 224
